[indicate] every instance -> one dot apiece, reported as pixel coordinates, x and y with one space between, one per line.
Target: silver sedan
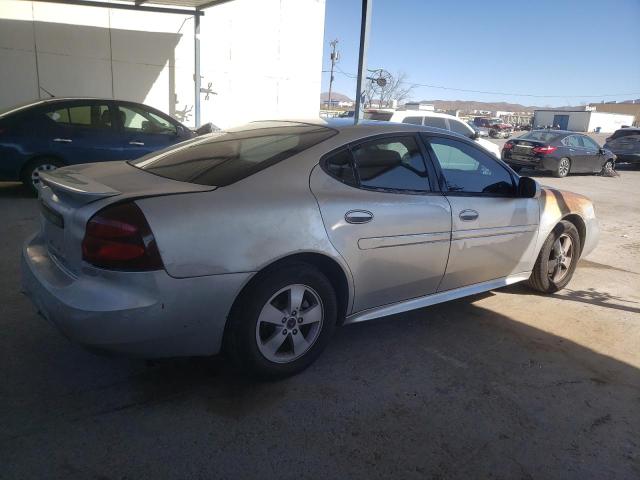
258 241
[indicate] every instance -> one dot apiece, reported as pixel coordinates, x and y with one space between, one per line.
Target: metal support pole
196 75
365 24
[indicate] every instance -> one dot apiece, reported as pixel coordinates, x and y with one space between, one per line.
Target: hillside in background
473 105
324 96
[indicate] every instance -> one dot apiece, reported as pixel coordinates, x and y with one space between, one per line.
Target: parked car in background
432 119
482 132
496 127
47 134
259 241
558 151
625 144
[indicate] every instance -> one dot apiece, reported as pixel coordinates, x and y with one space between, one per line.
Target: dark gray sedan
558 151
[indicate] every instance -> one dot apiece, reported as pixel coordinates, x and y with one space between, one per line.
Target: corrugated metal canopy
181 3
167 6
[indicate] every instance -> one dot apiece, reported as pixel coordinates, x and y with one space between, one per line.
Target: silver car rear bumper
142 314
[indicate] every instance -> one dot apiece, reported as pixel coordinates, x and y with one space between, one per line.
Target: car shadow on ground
450 391
10 190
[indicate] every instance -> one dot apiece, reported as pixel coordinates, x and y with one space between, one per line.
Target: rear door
144 131
580 161
493 231
82 131
384 214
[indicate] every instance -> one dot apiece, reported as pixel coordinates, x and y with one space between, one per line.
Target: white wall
263 57
609 122
578 121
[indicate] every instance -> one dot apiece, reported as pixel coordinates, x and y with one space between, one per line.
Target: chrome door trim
491 232
398 240
427 300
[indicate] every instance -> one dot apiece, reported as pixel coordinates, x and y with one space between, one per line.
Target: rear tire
282 323
30 176
564 167
557 259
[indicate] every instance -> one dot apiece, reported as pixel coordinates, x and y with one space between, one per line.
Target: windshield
223 158
541 135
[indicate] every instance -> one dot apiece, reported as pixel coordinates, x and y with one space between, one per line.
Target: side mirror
602 151
204 129
528 188
475 135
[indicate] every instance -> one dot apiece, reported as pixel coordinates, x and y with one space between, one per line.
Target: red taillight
119 238
507 146
544 150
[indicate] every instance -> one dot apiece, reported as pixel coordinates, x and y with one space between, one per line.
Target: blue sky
565 48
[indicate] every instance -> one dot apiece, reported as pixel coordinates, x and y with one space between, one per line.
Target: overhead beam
365 25
125 6
212 3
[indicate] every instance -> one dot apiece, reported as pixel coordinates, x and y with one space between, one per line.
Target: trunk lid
70 196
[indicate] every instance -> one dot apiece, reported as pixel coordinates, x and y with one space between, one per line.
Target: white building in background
583 120
263 58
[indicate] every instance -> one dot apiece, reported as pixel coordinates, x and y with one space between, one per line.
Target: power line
513 94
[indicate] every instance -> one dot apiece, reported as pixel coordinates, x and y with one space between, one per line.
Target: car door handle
358 216
468 215
137 143
63 140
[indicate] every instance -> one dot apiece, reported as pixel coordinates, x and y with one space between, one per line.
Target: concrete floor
504 385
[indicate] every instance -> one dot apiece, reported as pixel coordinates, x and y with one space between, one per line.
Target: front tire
564 167
282 323
557 259
608 169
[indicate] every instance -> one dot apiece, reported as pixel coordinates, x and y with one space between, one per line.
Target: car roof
53 100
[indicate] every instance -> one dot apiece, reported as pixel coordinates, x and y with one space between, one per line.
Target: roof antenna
47 92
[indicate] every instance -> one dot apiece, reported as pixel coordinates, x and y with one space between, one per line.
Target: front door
493 231
593 158
143 131
384 215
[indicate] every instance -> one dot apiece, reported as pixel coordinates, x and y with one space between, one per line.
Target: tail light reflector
544 150
119 238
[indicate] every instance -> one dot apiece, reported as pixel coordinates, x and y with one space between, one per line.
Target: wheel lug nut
300 320
295 331
284 320
284 332
293 313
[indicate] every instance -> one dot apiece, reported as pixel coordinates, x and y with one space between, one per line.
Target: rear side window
340 166
391 164
82 115
436 122
413 120
223 158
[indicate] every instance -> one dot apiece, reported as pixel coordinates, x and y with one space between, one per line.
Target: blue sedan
47 134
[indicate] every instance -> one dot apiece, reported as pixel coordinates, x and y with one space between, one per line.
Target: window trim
67 104
443 183
432 178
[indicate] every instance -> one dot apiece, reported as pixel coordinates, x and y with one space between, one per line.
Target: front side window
223 158
459 127
589 143
136 119
436 122
96 116
391 164
469 170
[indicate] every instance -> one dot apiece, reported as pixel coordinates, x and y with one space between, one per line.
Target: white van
432 119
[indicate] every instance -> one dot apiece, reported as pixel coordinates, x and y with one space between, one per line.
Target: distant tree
397 88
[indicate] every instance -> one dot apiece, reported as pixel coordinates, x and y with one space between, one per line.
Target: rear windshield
540 135
223 158
384 116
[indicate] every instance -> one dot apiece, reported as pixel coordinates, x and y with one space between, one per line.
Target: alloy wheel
560 258
563 167
289 323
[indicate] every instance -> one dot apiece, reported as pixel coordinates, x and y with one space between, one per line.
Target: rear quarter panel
242 227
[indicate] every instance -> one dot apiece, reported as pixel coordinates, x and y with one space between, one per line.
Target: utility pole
334 60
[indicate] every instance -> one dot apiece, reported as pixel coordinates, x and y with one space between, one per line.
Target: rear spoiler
74 185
